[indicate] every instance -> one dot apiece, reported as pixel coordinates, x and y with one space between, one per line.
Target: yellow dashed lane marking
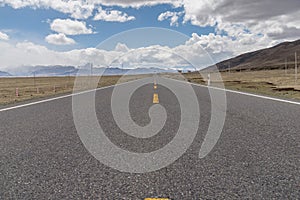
157 199
155 98
155 86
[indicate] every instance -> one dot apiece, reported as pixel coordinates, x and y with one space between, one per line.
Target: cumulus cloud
3 36
79 9
59 39
172 16
274 18
82 9
113 16
121 48
30 54
140 3
70 27
216 44
195 51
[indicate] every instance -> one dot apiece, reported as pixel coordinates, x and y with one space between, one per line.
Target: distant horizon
107 71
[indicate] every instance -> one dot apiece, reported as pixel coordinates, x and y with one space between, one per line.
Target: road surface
256 157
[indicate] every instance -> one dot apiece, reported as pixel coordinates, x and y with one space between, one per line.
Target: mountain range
4 74
264 59
74 71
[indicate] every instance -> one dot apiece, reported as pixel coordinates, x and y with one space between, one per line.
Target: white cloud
3 36
78 9
59 39
113 16
194 50
172 16
121 48
30 54
217 44
274 18
83 9
277 19
70 27
140 3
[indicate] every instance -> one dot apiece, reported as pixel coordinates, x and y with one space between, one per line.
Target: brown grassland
275 83
40 87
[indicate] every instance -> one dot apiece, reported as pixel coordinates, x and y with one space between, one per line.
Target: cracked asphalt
256 157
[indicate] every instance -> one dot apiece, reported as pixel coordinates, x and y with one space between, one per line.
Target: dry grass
275 83
272 82
30 88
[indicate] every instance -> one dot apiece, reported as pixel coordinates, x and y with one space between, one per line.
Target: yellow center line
155 98
156 199
155 86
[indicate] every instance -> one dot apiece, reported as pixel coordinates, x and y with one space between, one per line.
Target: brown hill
270 58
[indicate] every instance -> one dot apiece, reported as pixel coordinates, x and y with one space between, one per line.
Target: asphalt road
256 156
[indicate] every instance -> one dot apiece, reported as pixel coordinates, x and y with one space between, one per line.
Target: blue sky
33 25
67 32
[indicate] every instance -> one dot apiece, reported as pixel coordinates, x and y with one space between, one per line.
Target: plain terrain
32 88
277 83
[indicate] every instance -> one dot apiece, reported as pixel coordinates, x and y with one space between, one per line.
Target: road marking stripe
242 93
62 97
79 93
157 199
155 98
155 87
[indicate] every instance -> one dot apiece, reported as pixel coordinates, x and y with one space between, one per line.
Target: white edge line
62 97
243 93
102 88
